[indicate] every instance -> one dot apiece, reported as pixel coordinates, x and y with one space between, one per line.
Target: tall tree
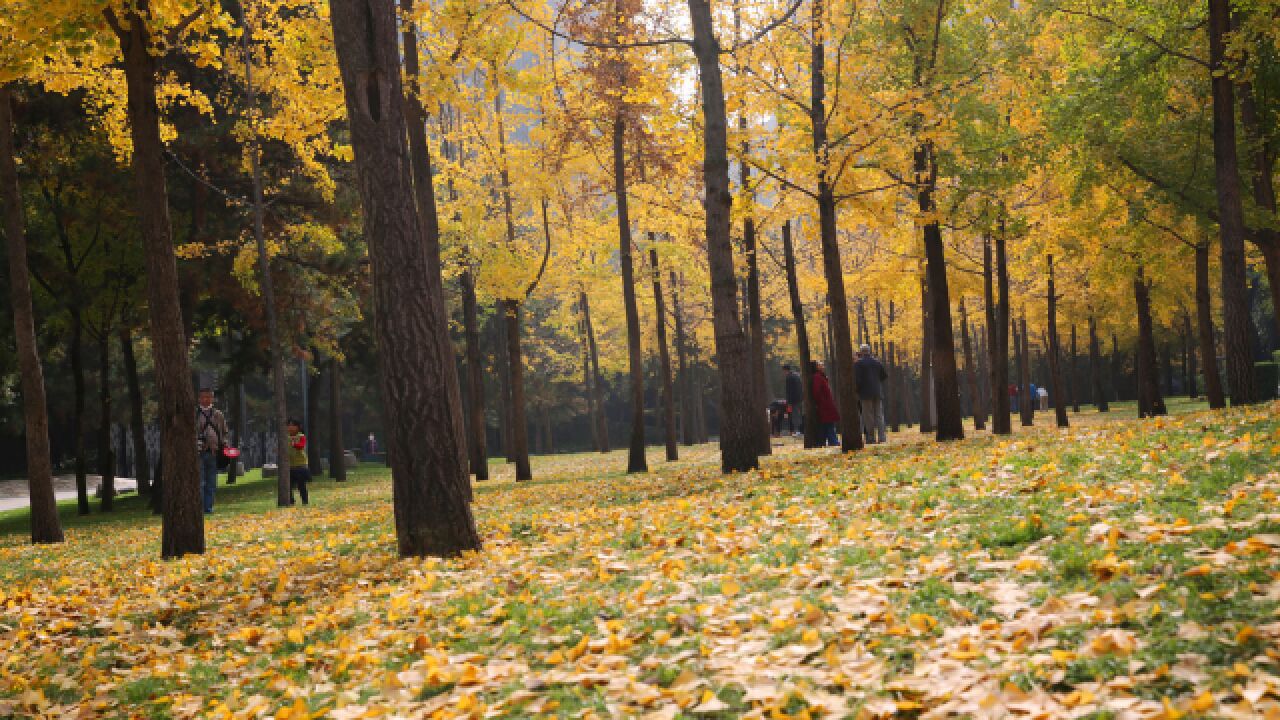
664 357
1055 352
810 416
45 525
430 488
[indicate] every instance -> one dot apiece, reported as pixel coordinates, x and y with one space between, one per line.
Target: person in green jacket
299 473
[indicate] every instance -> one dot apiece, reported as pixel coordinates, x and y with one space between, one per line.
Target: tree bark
106 452
478 452
636 461
1150 403
970 370
1235 299
997 311
430 488
1262 154
45 524
1073 372
1095 369
312 420
755 321
1204 328
601 419
1055 355
76 352
337 448
664 356
926 359
843 380
685 379
515 369
1117 369
1026 402
895 374
137 425
946 390
812 431
737 416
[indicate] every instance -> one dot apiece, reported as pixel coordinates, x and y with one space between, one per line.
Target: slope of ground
1123 569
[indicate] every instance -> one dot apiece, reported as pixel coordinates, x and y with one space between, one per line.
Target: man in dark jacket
795 396
870 376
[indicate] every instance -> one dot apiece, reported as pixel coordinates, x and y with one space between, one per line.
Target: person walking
869 373
299 473
211 433
824 404
795 398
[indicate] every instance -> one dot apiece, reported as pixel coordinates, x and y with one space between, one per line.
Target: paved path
15 494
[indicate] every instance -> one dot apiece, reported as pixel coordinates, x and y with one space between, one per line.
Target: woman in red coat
825 405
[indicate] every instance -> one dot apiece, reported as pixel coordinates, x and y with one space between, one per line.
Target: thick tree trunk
515 369
841 341
812 432
430 488
737 416
337 448
1204 329
1026 402
1055 355
106 452
970 370
1095 369
664 356
1150 403
636 462
137 426
45 524
477 441
1235 299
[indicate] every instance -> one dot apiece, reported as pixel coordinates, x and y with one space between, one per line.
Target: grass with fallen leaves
1121 569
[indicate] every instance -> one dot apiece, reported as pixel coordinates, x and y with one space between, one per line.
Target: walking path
14 493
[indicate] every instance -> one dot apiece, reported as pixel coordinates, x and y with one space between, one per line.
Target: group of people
212 448
1038 396
869 377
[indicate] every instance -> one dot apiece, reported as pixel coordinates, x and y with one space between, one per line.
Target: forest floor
1121 568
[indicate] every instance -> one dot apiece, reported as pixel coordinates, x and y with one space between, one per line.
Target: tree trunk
1262 155
137 426
737 416
279 397
1026 402
812 431
997 311
895 377
970 370
664 356
45 524
946 381
926 359
504 382
337 448
106 452
515 369
1055 355
1117 369
476 435
312 421
1095 368
755 321
1073 373
1150 403
1188 358
76 352
431 490
602 419
636 462
685 379
1204 329
845 384
1235 299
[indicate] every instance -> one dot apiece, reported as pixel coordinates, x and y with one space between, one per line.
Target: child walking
299 473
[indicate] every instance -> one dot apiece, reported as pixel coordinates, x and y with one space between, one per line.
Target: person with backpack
211 439
299 473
